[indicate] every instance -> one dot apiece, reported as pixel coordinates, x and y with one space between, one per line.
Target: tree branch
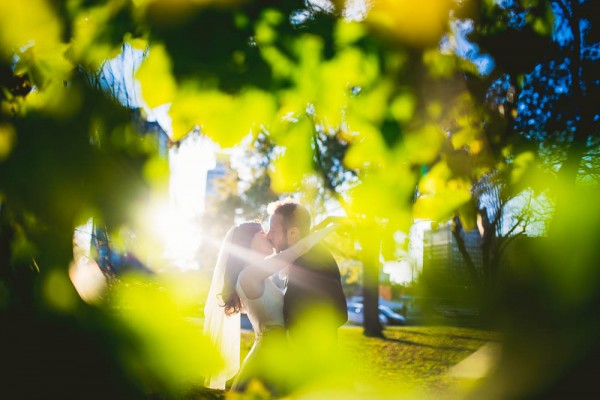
506 242
462 248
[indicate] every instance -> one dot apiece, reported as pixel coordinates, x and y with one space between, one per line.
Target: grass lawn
410 360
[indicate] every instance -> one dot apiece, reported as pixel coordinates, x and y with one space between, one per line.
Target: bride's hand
341 222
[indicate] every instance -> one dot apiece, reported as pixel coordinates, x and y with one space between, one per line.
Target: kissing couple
295 328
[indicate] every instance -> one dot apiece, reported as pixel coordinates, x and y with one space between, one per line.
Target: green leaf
291 167
156 78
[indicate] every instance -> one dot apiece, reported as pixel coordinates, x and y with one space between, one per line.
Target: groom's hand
347 227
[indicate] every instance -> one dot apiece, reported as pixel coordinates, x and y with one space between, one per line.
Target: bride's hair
242 237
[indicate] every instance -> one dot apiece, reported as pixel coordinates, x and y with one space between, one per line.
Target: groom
314 303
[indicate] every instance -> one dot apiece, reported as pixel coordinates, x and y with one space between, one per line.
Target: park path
479 364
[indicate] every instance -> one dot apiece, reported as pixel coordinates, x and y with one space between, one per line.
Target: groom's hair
294 215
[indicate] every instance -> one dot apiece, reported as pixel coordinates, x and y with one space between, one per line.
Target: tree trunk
371 244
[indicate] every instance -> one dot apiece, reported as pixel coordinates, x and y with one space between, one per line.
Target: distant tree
502 217
550 91
527 95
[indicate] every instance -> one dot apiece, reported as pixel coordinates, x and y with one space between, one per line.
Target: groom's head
289 223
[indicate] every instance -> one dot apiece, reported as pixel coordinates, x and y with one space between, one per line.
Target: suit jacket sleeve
314 281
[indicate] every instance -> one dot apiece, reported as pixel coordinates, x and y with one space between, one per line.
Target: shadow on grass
496 340
491 337
408 342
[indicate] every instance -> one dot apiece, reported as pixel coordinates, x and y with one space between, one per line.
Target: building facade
444 265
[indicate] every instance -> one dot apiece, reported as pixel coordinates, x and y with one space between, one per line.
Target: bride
241 282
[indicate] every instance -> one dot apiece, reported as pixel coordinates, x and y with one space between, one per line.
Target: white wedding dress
266 311
266 315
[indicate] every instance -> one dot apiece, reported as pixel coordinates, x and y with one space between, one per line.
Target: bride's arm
276 262
304 244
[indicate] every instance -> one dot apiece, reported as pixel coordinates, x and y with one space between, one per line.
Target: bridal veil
224 331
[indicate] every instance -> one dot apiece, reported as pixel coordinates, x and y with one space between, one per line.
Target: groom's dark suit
314 281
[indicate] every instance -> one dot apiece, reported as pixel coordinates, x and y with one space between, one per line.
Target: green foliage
169 351
373 108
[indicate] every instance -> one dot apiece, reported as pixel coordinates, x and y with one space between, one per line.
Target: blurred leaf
440 194
393 188
45 67
371 103
348 32
444 66
403 107
265 29
468 135
137 43
58 291
96 33
7 140
172 349
521 164
368 150
573 272
290 168
211 110
55 99
35 25
156 172
435 109
281 65
439 65
184 112
417 26
350 68
423 146
156 79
